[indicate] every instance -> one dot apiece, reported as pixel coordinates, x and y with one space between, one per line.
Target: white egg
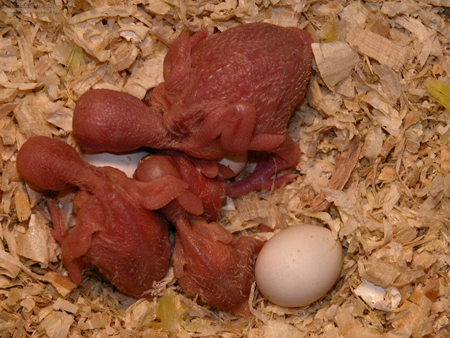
127 162
298 265
235 162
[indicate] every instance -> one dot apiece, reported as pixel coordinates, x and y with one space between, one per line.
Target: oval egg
126 162
299 265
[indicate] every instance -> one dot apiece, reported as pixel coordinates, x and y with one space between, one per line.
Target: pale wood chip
147 46
145 76
334 61
373 143
345 163
381 273
284 17
25 41
22 204
390 82
364 332
415 319
57 324
392 197
133 32
355 15
31 120
275 328
321 100
60 117
34 243
414 137
8 266
138 311
345 319
416 27
93 37
24 86
104 12
379 48
443 3
392 124
7 95
19 294
65 305
7 137
158 7
88 78
124 56
393 8
424 260
7 108
62 284
251 208
445 160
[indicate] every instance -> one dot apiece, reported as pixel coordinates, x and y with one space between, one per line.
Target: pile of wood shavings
372 60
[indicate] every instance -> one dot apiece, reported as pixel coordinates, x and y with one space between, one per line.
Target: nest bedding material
372 63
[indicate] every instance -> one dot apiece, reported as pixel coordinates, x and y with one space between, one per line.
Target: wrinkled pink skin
208 261
228 92
116 228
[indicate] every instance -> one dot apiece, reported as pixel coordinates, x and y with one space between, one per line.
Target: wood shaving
335 61
368 92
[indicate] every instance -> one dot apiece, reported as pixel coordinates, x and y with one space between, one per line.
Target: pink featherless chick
117 229
208 260
228 92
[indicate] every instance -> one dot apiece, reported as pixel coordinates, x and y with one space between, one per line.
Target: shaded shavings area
372 63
